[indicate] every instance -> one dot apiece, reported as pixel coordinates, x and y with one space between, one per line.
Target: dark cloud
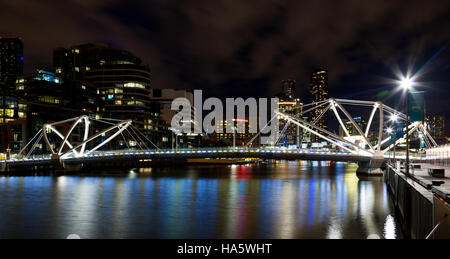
232 48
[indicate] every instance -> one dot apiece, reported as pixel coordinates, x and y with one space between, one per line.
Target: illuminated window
8 113
119 102
135 85
110 96
77 69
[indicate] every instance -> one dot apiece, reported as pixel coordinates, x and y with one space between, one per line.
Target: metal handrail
436 227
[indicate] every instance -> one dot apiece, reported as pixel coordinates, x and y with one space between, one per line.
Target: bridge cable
34 145
251 140
134 138
282 132
29 142
143 135
132 128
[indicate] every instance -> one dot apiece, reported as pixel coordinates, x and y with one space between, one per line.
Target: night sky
245 48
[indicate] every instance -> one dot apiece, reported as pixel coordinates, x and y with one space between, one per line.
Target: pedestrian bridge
167 156
370 154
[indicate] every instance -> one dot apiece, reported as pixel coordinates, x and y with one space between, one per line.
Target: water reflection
287 199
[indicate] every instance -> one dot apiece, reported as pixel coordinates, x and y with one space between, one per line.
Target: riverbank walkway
439 186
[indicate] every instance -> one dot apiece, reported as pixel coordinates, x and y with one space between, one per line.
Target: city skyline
224 127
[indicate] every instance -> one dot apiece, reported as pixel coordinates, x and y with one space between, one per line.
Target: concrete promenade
421 175
422 201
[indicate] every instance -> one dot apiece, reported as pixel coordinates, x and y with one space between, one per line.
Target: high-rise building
43 98
122 81
289 134
436 125
319 92
288 87
11 66
359 120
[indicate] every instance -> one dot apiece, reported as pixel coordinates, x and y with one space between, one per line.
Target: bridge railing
131 152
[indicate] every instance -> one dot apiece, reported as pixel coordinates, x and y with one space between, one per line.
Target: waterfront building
241 136
11 66
165 98
122 81
43 97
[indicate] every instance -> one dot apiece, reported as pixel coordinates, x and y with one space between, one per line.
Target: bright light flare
406 83
394 117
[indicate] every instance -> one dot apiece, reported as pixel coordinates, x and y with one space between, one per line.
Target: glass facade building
319 92
11 66
123 83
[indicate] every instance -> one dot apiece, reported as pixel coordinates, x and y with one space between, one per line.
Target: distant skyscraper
436 125
288 104
11 66
319 92
288 87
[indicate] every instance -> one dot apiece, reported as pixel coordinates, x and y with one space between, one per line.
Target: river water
286 199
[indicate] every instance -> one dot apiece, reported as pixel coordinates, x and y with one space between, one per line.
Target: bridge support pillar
372 167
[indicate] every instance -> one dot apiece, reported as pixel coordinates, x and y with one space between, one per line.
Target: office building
43 98
288 88
319 92
289 133
241 136
436 127
11 66
122 81
165 98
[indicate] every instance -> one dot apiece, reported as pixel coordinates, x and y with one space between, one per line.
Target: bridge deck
136 156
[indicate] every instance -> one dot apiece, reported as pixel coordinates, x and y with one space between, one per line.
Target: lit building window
22 115
135 85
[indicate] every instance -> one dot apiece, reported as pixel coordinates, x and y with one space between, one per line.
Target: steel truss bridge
370 154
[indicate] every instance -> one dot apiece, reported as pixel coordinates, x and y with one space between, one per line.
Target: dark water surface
287 199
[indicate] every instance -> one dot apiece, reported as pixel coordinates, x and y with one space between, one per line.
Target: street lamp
406 84
394 118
